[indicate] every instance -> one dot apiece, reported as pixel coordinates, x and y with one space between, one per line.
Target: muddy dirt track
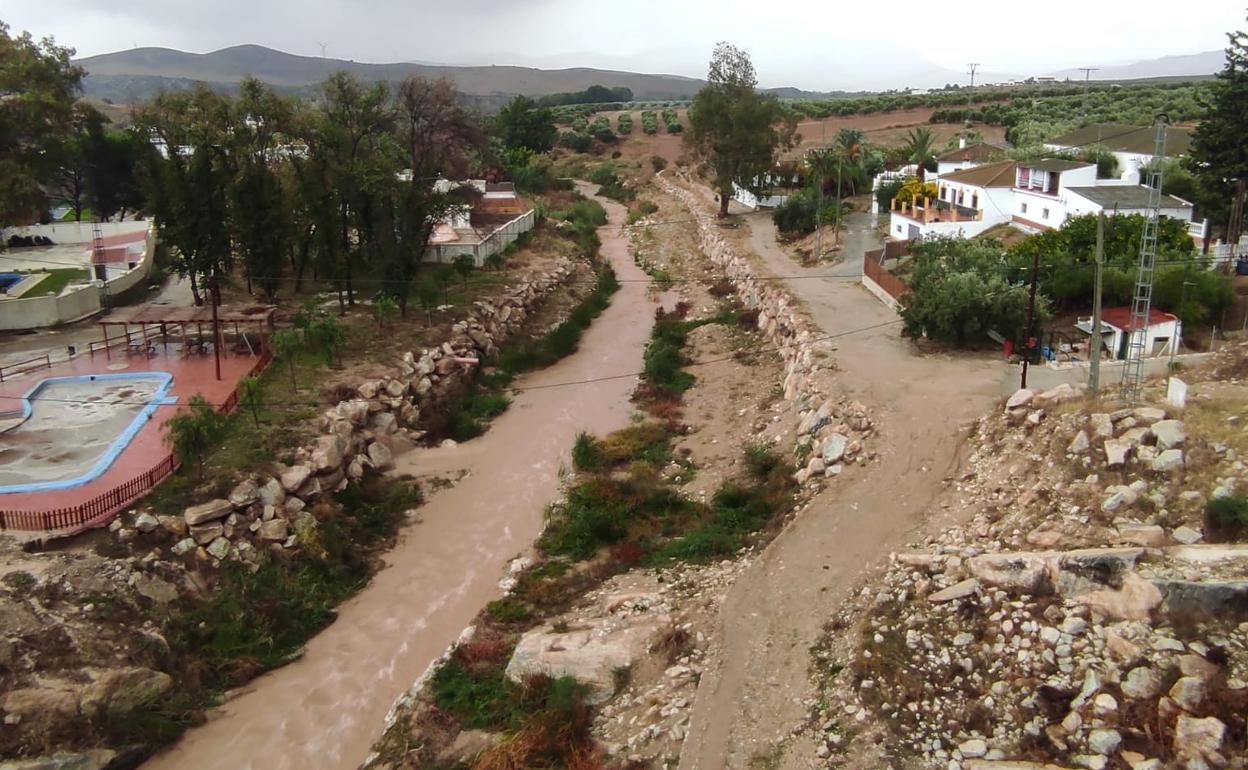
752 698
325 710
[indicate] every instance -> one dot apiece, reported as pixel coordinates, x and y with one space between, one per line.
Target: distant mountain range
135 75
1204 63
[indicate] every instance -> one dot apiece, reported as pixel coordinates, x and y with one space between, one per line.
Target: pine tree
1219 149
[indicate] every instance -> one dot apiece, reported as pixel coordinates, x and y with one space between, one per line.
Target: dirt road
750 701
326 709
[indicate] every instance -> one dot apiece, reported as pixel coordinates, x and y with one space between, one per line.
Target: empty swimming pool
76 427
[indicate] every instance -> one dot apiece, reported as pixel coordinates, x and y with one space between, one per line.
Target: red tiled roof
1121 317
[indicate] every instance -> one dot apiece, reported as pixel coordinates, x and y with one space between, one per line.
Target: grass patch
1226 518
56 281
467 415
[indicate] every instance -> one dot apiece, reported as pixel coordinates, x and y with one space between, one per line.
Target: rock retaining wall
833 426
271 510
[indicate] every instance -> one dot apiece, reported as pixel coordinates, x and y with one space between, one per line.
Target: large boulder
272 493
328 453
833 448
245 494
1169 460
206 512
1169 433
591 653
274 530
295 476
380 456
1021 398
47 703
92 759
1116 451
120 691
1147 415
1023 573
1199 739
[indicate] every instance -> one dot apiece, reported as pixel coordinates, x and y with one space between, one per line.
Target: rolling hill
128 76
1204 63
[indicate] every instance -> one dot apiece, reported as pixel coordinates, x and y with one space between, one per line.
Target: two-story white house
967 203
1133 146
1040 191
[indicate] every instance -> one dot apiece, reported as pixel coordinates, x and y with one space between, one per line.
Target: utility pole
837 230
1087 76
823 148
1030 342
1178 334
1094 355
971 70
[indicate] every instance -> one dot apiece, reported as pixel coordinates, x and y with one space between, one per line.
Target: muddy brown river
326 709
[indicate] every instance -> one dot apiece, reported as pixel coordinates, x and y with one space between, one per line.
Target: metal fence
22 367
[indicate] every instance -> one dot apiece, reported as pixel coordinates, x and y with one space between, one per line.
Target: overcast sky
816 45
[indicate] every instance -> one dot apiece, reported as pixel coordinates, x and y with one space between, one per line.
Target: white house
1158 335
968 202
1133 146
966 156
1123 199
1041 189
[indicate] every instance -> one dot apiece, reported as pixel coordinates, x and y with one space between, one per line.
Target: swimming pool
73 429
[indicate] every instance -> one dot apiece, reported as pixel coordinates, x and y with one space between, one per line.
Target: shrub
1226 518
625 123
649 122
658 163
576 141
586 455
509 610
800 213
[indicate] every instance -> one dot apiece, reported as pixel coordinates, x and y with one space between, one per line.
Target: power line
518 389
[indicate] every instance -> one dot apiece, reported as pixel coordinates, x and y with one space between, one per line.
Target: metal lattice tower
1142 301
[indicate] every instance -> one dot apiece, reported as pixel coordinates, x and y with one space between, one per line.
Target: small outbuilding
1117 330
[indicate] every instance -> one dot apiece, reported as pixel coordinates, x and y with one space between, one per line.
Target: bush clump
1226 518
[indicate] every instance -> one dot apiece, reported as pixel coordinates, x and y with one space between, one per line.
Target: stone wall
833 425
272 509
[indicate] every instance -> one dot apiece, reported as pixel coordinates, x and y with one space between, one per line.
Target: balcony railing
930 211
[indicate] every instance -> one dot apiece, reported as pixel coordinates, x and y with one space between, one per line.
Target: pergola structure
190 323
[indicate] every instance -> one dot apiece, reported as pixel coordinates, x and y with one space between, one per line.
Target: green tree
427 294
443 275
1219 152
734 128
329 335
387 308
193 432
959 293
920 150
286 344
435 135
188 179
524 123
115 162
39 86
260 205
251 395
464 265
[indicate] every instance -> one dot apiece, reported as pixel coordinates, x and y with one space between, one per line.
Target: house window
1022 207
975 200
1045 214
898 228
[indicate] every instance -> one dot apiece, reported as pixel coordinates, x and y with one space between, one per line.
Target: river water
326 709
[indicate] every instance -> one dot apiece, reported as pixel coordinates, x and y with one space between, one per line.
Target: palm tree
919 150
851 146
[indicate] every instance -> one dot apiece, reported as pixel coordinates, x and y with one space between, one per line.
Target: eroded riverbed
326 709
